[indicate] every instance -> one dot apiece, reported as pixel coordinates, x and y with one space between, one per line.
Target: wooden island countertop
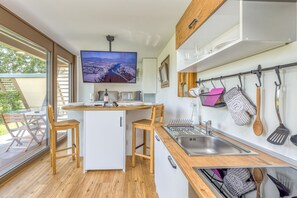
187 163
101 108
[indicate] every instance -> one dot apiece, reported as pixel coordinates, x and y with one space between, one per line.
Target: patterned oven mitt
236 181
240 107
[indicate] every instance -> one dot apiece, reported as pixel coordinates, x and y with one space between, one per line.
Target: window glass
24 84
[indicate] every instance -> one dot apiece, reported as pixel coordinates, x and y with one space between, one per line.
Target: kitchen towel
240 107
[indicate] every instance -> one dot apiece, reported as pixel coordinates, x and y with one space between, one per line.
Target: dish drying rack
180 125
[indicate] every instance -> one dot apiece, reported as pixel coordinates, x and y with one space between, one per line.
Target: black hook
259 74
239 77
222 82
278 76
202 84
212 83
199 82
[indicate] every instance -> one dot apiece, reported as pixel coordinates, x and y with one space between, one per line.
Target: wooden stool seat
147 125
63 125
144 123
66 123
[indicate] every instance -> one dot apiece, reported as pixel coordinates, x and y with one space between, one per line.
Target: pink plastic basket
214 98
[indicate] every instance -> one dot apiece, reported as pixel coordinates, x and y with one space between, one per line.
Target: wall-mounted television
108 67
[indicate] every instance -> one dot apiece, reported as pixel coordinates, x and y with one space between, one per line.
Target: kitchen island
105 133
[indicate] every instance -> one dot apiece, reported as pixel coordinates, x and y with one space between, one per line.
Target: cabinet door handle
171 162
157 138
193 23
121 120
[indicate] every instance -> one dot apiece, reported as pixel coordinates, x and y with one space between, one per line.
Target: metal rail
257 72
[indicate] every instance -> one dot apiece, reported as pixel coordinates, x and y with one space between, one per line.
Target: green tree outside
12 62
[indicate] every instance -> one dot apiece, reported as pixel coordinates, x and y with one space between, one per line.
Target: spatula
279 136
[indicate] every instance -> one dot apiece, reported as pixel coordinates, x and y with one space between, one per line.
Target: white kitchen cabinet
104 140
149 75
238 29
159 166
169 179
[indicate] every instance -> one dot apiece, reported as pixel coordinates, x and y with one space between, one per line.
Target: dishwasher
277 181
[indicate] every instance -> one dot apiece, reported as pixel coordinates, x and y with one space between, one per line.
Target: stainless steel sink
209 145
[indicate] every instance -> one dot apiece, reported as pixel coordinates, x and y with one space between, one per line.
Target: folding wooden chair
17 125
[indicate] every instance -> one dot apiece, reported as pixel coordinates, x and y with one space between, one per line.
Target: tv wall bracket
110 39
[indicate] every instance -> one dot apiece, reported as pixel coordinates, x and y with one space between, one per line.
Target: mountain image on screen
109 67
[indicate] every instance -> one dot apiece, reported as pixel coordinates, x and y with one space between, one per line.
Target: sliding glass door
24 95
63 83
64 86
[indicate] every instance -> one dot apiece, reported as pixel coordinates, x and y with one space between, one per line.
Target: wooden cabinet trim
186 79
200 9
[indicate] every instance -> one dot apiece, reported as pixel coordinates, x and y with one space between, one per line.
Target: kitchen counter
186 163
101 108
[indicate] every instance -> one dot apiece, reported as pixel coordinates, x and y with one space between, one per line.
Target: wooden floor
37 181
15 156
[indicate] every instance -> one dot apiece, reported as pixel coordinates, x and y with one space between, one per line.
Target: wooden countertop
101 108
186 163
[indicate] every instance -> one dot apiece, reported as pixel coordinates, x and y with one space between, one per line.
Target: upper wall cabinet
238 29
196 14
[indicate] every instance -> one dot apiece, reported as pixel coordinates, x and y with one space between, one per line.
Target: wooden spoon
258 177
258 126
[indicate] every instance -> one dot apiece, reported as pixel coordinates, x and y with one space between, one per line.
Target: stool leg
54 140
72 143
152 151
133 145
144 143
77 146
51 147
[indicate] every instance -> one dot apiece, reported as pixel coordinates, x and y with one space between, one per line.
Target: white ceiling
144 26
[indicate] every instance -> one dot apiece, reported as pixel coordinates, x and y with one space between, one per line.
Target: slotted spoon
279 136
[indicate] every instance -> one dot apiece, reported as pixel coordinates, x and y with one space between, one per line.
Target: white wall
222 120
221 117
175 107
36 96
84 89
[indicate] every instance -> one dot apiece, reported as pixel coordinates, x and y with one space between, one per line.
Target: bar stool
63 125
147 125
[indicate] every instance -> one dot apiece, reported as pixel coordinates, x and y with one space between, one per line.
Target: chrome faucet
208 128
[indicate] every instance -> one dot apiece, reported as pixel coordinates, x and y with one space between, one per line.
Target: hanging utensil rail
257 71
